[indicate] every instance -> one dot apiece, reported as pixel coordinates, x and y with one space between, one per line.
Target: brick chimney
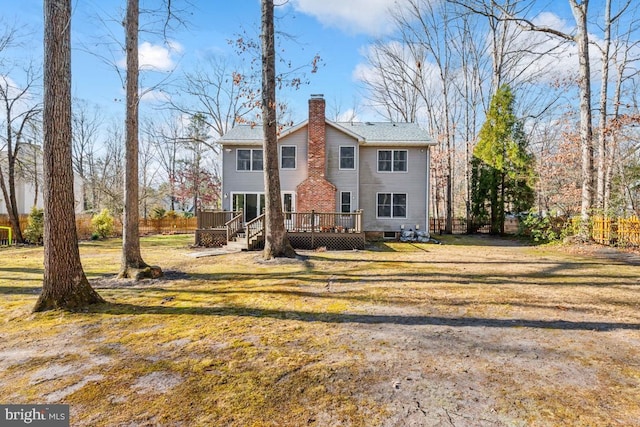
317 136
315 192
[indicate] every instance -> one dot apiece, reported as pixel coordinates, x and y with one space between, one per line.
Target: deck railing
234 225
254 229
323 222
215 218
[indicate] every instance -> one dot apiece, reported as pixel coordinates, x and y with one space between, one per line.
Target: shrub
544 229
102 224
35 226
158 213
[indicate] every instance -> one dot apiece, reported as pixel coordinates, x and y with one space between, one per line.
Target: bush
158 213
35 226
544 229
102 224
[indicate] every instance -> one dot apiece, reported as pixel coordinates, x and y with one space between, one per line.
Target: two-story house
381 169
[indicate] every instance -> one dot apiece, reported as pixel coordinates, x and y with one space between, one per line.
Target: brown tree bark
65 285
276 240
586 129
133 266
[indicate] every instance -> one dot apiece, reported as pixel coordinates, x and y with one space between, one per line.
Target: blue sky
337 38
338 30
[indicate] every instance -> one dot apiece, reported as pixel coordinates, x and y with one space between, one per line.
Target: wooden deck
306 230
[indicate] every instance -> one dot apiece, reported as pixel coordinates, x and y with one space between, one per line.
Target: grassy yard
474 332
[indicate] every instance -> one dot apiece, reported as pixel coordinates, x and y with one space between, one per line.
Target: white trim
340 147
350 202
251 169
244 210
293 199
295 157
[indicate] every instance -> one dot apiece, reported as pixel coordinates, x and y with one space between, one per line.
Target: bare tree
86 125
65 285
393 84
108 179
148 170
19 110
425 36
222 96
167 139
276 240
133 266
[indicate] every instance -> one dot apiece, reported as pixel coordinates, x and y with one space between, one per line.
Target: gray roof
368 133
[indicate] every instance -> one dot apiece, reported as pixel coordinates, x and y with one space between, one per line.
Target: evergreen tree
502 168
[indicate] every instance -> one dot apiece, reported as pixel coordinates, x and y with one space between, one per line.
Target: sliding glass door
252 204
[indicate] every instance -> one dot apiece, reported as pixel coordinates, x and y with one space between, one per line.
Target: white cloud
156 57
13 92
549 58
348 116
370 17
551 20
152 95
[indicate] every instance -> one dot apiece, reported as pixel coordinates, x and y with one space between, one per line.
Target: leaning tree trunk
276 240
65 285
133 266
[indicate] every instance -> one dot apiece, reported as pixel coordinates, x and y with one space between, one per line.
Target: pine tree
501 166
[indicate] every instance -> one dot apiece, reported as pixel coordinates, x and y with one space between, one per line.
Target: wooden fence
459 226
620 231
148 226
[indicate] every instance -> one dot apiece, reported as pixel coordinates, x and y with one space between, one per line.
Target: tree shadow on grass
25 290
371 319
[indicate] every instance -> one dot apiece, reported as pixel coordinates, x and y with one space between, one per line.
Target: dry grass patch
477 331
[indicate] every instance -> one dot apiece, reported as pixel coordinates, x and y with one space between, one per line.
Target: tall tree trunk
65 285
602 149
133 265
586 130
276 240
614 135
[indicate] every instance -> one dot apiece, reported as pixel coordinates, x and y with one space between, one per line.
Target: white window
392 160
347 157
249 160
288 157
392 205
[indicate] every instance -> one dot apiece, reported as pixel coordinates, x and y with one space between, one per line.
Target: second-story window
288 157
249 160
347 157
392 160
